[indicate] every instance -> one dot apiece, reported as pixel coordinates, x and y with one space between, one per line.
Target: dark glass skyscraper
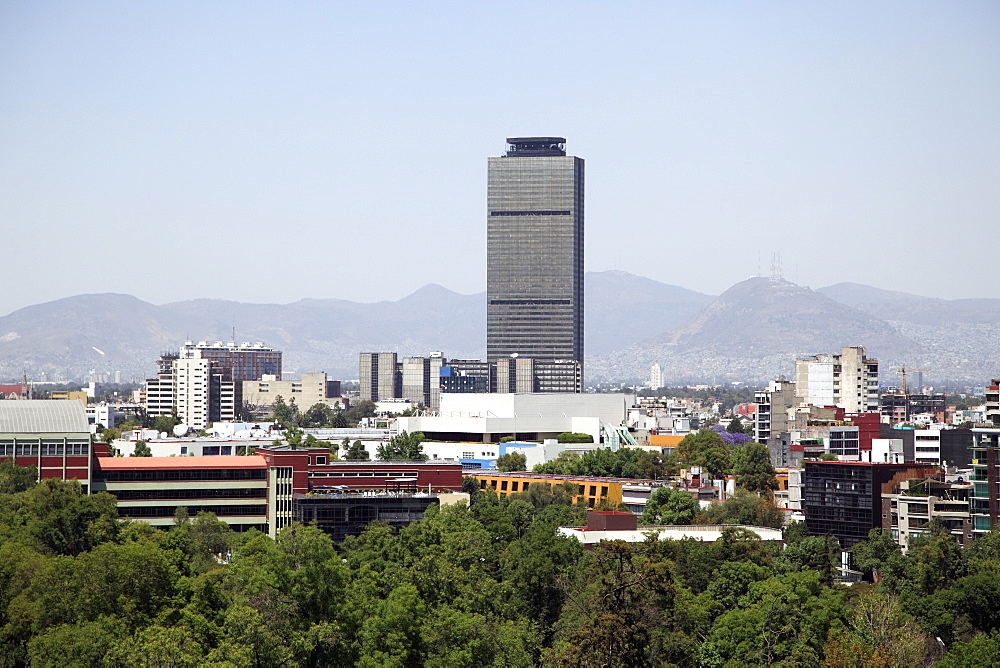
534 264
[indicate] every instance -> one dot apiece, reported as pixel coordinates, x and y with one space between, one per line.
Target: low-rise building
920 502
607 525
51 435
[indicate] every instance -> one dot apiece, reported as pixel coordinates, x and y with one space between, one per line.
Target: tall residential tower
534 260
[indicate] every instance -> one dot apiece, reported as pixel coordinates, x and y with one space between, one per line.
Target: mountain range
751 332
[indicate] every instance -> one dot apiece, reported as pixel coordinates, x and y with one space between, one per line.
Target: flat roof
183 462
536 140
558 478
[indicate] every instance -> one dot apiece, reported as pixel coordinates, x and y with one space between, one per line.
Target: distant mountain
763 315
61 338
622 308
753 331
905 307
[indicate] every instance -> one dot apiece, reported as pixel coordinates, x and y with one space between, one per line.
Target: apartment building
848 380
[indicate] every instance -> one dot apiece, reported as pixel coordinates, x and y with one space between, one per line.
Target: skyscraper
534 263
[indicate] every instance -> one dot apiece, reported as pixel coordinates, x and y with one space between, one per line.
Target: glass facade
984 502
535 252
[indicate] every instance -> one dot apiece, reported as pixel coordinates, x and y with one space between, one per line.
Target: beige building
848 380
308 390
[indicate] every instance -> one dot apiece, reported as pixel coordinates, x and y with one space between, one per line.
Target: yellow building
665 440
63 394
592 490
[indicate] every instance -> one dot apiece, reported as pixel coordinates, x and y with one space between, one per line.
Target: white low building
489 417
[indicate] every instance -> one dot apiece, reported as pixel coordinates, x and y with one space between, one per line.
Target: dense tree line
320 415
488 585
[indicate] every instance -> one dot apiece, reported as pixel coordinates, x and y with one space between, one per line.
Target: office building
243 361
515 375
310 389
845 499
534 264
466 376
379 376
421 379
848 380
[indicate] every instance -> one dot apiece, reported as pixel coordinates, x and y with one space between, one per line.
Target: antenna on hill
776 273
759 272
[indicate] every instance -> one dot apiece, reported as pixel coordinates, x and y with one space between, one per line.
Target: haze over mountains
752 332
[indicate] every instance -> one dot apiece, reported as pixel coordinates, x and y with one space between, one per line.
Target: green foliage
356 452
285 415
512 461
318 415
14 478
357 412
751 464
625 463
574 437
402 446
165 423
142 450
705 448
982 650
490 584
744 507
668 506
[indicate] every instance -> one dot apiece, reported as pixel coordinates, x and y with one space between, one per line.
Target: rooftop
43 416
536 146
163 463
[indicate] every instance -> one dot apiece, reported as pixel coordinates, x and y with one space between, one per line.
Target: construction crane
905 371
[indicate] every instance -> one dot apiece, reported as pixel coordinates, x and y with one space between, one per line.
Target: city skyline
315 136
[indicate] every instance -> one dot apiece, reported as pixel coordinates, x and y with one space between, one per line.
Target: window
513 486
503 485
604 491
320 459
593 490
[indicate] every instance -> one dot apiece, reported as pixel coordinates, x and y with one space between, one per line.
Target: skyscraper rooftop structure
534 281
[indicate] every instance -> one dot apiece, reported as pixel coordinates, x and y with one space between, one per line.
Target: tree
283 413
402 446
752 468
743 508
356 452
318 415
360 410
165 423
736 426
512 461
14 478
692 448
142 450
667 506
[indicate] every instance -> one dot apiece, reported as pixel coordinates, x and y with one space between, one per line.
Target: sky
274 151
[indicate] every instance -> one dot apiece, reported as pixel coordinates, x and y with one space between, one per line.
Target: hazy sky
272 151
